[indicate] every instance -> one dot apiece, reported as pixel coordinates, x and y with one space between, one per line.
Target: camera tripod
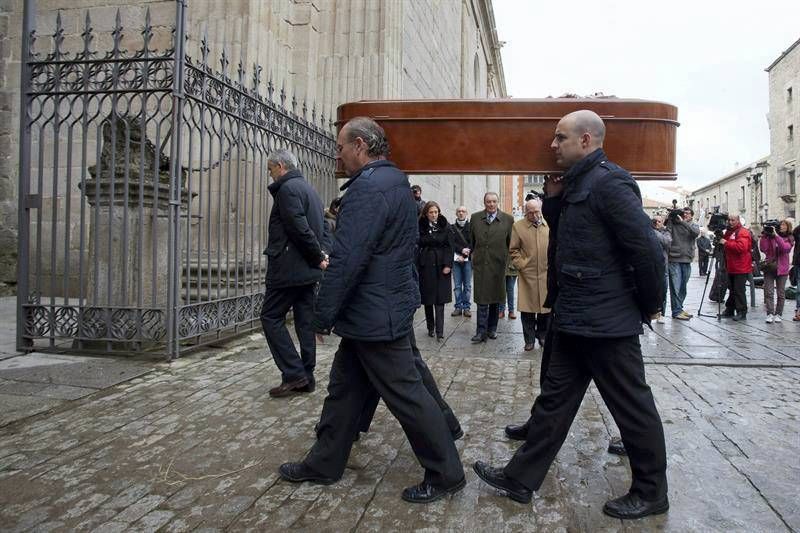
714 265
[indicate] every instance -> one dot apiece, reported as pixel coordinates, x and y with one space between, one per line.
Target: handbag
769 265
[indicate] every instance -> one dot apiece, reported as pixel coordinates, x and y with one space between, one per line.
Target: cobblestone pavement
195 445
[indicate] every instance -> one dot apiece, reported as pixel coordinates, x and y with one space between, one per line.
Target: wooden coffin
514 136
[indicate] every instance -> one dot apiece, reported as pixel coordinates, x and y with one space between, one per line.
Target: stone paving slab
195 445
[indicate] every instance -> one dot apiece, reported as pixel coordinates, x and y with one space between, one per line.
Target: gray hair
533 202
371 133
283 157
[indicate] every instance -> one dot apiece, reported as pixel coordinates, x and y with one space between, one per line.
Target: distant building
742 192
784 120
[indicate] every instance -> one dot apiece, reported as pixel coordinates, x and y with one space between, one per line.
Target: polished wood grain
514 136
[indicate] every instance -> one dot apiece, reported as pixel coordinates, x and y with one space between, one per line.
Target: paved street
196 445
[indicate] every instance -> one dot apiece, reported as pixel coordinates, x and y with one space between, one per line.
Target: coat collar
371 165
275 185
485 216
573 176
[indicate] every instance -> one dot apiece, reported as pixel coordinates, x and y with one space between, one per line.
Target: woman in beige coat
528 251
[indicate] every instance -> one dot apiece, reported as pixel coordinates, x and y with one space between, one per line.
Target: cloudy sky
707 57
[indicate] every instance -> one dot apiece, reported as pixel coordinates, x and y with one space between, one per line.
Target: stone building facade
784 121
322 52
745 192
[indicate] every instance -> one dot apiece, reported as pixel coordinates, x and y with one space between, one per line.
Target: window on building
788 95
792 184
455 195
791 132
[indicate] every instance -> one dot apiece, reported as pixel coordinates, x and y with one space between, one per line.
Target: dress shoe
457 434
512 315
616 447
519 432
467 313
427 493
478 338
726 314
529 347
298 472
431 333
456 312
497 479
439 338
632 506
289 388
501 314
739 317
311 387
492 335
541 341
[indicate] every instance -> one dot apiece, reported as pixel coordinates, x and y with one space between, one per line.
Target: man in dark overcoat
368 297
609 278
490 234
295 262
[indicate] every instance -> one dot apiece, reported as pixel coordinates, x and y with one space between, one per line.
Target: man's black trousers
737 299
365 419
702 261
534 326
277 302
360 369
617 369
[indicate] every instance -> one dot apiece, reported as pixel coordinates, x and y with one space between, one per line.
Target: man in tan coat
528 250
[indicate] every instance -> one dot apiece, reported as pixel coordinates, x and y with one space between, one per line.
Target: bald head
578 134
533 210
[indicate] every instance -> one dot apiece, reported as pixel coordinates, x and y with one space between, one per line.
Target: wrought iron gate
143 199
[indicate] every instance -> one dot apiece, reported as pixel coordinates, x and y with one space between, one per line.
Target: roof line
784 54
755 163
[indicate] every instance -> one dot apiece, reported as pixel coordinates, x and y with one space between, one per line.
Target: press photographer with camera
776 242
739 263
683 231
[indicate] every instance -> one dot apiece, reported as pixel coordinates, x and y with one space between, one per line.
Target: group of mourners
594 266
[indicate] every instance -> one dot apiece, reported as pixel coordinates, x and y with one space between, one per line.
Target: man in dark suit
609 278
490 234
368 297
294 265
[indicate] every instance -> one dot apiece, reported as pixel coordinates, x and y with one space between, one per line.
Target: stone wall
9 112
784 112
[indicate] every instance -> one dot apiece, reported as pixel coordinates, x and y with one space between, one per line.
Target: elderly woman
776 246
434 263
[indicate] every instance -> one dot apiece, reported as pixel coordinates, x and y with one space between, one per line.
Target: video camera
770 227
718 223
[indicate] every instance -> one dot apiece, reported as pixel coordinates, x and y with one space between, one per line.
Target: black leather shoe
430 333
289 388
298 472
478 338
426 493
311 387
492 335
726 314
739 317
458 434
616 447
497 479
631 506
519 432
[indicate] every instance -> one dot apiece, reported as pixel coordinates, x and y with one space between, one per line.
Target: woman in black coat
434 262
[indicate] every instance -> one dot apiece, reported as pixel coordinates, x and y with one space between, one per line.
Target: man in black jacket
294 265
368 297
608 277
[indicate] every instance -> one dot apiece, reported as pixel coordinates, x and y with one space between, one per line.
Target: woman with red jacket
739 264
776 246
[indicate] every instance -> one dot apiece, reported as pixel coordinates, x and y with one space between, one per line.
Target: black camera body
718 222
770 227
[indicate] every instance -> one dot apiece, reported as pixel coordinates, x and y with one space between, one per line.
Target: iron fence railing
143 198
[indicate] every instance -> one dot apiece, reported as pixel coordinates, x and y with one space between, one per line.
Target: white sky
707 57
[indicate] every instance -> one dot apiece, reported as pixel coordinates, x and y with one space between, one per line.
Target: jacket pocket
579 280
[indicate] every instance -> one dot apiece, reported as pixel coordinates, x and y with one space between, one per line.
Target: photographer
681 253
665 240
776 242
739 263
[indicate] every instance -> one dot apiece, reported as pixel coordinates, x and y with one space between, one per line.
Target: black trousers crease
617 369
361 369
